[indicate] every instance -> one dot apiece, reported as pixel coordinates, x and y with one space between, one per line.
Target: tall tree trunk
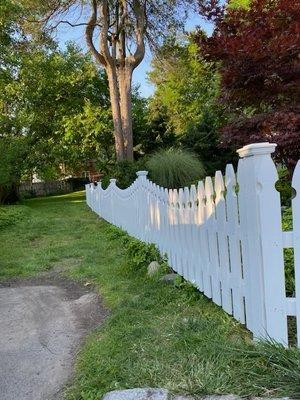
119 65
125 83
116 113
120 83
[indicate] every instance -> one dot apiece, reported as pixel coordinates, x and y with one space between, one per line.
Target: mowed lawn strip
157 335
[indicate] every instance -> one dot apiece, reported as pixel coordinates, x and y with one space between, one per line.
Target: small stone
169 278
153 267
224 397
137 394
269 398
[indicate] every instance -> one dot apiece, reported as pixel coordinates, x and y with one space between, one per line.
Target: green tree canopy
47 90
46 97
186 92
185 85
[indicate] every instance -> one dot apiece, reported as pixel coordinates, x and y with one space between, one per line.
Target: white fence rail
223 235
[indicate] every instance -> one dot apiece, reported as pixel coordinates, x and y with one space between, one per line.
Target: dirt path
42 322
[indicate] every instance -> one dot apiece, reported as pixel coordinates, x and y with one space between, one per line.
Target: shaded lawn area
157 335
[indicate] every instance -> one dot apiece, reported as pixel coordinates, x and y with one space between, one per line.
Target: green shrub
124 172
174 168
203 138
12 161
138 254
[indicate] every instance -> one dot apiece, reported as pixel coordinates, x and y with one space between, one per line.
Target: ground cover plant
157 335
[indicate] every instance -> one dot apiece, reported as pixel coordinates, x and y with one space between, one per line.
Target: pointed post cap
257 149
113 181
142 173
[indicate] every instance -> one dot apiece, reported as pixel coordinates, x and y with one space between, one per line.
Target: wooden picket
295 312
224 235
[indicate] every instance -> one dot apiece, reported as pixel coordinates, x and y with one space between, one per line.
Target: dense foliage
258 48
138 255
60 117
71 82
186 93
54 112
186 86
150 127
13 152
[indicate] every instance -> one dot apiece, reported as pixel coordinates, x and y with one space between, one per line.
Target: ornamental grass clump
174 168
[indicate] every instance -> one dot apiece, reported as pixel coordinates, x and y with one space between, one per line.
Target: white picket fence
223 235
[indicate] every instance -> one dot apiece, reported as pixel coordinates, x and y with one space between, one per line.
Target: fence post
262 246
87 194
296 234
142 204
99 188
112 185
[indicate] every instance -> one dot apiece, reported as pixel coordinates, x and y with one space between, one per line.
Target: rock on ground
169 278
227 397
138 394
161 394
40 329
153 268
156 394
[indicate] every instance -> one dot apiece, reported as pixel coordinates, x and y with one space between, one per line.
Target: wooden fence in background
39 189
223 235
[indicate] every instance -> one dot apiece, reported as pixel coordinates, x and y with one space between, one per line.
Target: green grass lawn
157 335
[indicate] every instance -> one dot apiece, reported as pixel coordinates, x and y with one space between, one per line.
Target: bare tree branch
57 8
72 24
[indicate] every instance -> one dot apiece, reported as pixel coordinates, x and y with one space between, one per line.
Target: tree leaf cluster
187 88
256 45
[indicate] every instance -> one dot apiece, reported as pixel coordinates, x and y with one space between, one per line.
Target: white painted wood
251 245
260 215
272 249
175 233
296 235
291 307
288 239
222 243
234 246
230 245
203 254
194 232
188 237
180 228
212 241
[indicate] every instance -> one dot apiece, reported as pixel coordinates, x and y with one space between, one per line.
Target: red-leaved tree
258 48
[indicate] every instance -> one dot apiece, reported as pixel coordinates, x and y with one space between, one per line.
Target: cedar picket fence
225 236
